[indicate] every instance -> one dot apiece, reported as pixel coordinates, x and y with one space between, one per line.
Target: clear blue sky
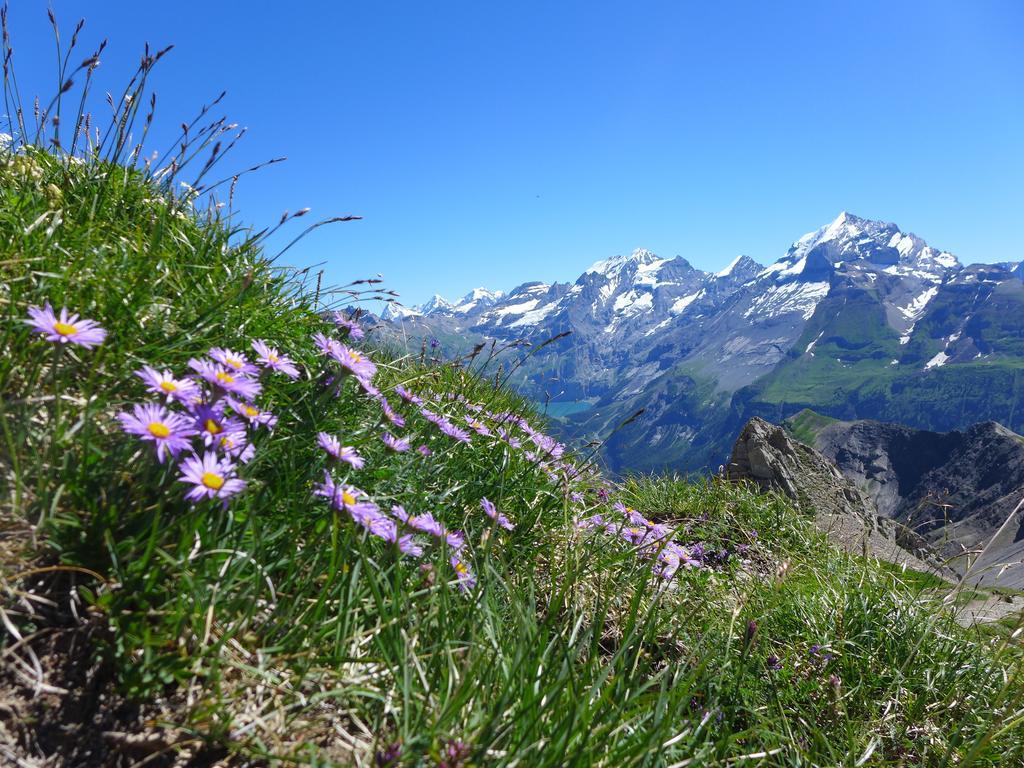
491 143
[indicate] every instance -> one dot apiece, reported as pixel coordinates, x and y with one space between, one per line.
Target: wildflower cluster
211 415
652 541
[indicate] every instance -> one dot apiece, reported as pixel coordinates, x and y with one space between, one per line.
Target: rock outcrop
959 490
770 457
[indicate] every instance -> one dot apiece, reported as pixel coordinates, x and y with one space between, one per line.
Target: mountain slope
857 320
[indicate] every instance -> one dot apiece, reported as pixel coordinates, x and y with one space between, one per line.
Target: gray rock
767 455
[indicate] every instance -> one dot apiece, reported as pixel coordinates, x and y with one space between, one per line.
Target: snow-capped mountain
854 302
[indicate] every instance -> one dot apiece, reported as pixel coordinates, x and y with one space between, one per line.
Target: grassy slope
274 627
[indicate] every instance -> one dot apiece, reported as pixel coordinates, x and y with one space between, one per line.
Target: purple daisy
465 579
235 362
165 384
424 450
211 477
235 443
211 423
339 452
326 344
407 545
425 523
452 431
273 360
347 498
396 444
408 396
347 324
66 329
226 380
455 540
389 412
252 414
492 512
477 426
354 362
170 432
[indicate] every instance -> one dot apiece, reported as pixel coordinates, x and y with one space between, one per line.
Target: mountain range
857 319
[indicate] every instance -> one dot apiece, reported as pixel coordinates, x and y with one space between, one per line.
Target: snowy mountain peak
435 303
640 257
742 266
478 298
395 311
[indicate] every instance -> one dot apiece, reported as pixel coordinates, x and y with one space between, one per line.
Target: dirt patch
59 705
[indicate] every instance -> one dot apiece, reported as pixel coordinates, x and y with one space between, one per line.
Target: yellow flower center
213 427
158 429
168 386
212 481
347 498
272 357
227 442
234 362
354 356
460 568
251 412
224 378
65 329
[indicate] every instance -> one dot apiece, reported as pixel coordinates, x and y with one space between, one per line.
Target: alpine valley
858 320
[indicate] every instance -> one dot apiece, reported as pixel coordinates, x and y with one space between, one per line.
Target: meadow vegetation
455 589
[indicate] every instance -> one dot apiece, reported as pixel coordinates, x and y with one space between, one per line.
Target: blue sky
494 143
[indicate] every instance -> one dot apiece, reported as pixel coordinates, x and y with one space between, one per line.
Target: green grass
275 628
806 425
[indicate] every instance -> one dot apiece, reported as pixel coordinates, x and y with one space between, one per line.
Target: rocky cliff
770 457
957 489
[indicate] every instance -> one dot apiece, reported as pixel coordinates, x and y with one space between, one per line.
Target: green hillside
578 622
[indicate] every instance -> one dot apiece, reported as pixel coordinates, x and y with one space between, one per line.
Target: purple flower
773 663
454 755
426 523
396 444
492 512
388 756
165 384
477 426
451 430
354 362
211 477
594 521
407 546
434 343
408 396
424 450
368 388
346 324
235 362
66 329
338 451
235 442
252 414
465 578
455 540
602 494
211 423
378 524
325 344
225 380
347 498
170 432
273 360
389 412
